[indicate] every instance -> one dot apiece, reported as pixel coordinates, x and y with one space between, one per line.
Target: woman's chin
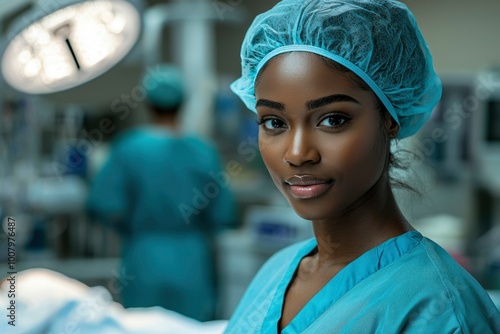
308 212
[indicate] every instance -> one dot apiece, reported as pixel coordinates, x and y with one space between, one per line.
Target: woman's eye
333 121
272 123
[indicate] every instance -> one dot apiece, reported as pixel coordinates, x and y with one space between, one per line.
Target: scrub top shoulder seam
425 245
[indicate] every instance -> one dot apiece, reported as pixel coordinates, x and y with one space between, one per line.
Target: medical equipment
485 136
273 227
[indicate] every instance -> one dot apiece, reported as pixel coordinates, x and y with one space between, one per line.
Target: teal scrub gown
166 195
408 284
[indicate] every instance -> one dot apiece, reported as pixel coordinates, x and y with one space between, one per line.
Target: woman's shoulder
431 280
431 261
429 267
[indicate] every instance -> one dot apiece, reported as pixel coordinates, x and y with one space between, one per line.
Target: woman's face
320 136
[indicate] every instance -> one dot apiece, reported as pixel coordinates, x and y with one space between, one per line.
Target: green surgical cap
377 40
164 86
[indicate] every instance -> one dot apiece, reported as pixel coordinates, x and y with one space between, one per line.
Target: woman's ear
391 126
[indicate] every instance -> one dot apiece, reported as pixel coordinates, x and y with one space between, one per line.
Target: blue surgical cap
377 40
164 86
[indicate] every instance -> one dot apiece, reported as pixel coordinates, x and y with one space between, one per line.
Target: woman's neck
373 220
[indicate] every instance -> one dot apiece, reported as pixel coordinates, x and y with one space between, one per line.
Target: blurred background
56 126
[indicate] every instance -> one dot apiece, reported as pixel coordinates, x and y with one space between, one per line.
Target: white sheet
47 302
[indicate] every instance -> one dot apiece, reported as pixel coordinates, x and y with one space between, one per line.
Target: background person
152 190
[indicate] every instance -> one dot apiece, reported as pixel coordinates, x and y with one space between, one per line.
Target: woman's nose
301 149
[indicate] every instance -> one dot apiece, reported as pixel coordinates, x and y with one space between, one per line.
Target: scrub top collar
367 264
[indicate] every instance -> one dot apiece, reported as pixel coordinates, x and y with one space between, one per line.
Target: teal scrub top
166 195
408 284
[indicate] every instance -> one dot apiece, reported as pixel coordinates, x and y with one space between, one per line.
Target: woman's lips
307 187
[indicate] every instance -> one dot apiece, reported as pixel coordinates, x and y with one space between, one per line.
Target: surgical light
57 49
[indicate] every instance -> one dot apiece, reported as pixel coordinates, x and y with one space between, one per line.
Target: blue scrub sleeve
108 197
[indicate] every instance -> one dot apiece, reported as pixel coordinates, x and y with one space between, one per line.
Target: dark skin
326 146
168 121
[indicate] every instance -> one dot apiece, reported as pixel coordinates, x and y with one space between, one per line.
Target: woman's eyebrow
323 101
270 104
313 104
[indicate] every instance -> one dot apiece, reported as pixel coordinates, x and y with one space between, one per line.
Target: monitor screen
493 121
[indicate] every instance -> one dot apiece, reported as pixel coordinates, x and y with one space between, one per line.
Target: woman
332 83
